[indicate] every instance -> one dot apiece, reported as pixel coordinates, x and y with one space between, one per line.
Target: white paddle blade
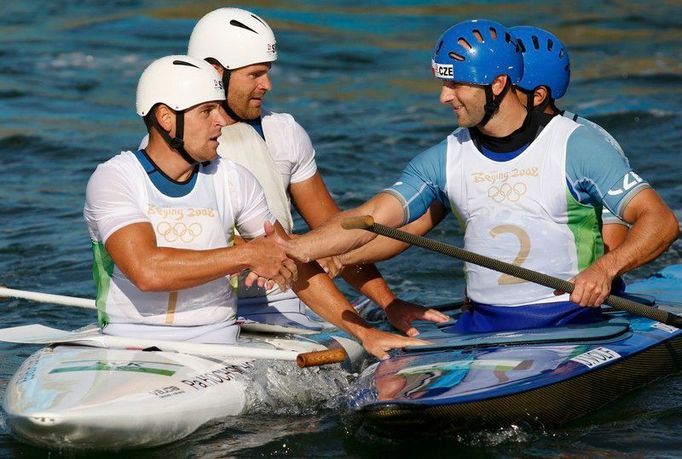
47 298
40 334
270 350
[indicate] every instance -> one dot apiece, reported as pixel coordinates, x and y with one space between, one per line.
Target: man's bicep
313 200
646 200
131 245
385 208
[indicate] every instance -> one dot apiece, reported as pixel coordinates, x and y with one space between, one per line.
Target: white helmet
234 37
180 82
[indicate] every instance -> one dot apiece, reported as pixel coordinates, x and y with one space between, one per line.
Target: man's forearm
329 239
318 291
151 268
648 238
367 280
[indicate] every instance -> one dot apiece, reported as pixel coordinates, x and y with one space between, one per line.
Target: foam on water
282 388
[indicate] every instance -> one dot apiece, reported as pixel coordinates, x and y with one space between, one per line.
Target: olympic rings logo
179 231
507 191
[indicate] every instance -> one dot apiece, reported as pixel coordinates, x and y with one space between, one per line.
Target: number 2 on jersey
521 256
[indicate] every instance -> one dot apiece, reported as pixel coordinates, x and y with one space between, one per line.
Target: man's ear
165 117
499 83
540 95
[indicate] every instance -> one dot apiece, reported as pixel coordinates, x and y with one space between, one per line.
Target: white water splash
282 389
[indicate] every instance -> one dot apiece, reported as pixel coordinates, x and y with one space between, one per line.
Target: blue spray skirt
541 376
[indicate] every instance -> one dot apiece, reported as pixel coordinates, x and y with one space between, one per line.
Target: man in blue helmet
526 188
546 76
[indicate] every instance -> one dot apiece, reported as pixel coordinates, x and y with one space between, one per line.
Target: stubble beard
245 112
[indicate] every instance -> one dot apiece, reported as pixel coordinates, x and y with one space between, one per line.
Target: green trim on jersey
584 221
102 270
460 219
234 278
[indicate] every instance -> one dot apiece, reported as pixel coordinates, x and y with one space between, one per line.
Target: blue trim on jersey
257 124
162 182
502 157
485 318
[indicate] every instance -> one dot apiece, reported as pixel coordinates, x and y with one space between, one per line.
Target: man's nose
221 116
265 83
446 95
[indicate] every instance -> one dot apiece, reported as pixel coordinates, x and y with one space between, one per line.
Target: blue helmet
545 60
476 52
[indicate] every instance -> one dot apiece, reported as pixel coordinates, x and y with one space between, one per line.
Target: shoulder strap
241 143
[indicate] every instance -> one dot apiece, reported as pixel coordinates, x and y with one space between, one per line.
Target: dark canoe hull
505 379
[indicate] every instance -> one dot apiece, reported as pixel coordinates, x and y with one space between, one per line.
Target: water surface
358 78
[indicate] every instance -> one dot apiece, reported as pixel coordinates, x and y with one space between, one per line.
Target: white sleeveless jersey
120 193
239 142
521 212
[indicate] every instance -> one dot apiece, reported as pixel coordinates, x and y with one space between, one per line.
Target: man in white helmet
162 224
278 151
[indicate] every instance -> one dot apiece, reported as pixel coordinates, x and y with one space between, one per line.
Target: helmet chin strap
176 143
492 103
226 104
530 100
545 103
530 103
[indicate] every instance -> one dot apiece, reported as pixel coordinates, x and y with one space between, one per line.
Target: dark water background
358 78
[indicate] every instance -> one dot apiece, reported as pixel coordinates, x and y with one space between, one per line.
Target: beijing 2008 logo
179 231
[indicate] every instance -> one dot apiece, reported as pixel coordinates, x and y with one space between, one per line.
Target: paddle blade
317 358
363 222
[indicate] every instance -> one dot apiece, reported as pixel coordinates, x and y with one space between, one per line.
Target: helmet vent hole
455 56
236 23
561 53
493 33
520 45
258 19
478 35
550 44
188 64
464 44
536 42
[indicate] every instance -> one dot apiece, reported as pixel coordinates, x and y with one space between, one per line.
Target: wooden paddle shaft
317 358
